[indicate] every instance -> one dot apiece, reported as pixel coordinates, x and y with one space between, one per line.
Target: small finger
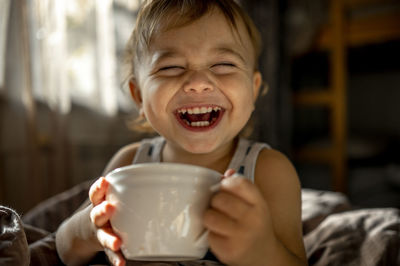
231 205
108 239
220 246
102 213
116 258
98 191
242 188
219 223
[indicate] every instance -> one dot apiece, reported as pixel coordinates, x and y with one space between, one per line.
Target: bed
335 233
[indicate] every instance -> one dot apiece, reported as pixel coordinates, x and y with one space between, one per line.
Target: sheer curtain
4 14
62 94
74 53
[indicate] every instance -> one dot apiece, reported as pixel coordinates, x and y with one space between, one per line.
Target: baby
194 79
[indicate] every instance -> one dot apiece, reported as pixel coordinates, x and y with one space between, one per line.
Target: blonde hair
156 16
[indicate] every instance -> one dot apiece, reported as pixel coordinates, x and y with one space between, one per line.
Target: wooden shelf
320 97
329 155
363 3
315 154
365 30
351 24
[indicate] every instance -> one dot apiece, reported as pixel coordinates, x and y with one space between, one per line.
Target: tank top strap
245 158
149 150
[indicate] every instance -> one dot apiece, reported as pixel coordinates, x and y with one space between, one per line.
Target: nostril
198 81
199 88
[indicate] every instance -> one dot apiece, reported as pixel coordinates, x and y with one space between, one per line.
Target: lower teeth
185 117
200 124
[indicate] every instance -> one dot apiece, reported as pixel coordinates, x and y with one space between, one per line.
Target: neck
217 160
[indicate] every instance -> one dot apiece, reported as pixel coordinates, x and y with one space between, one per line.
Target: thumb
97 192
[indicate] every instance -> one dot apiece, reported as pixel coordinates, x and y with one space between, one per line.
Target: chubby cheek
155 104
240 94
156 118
154 98
150 107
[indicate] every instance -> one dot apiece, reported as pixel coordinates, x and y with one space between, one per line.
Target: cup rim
160 165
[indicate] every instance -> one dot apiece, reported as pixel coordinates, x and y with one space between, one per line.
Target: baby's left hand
239 223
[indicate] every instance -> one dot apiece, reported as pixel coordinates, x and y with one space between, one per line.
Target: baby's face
198 83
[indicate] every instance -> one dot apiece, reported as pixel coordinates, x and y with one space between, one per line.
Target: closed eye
224 64
171 70
170 67
223 68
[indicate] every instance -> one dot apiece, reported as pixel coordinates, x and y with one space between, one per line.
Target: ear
257 81
135 92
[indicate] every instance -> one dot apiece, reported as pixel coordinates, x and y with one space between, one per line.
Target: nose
198 82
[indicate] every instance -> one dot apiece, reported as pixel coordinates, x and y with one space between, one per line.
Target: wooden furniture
345 29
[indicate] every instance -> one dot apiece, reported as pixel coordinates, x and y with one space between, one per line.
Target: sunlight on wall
75 51
4 14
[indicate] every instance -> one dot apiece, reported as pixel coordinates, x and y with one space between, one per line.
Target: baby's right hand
100 216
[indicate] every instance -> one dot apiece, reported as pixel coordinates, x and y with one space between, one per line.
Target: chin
199 147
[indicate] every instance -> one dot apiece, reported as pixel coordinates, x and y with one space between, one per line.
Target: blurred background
332 69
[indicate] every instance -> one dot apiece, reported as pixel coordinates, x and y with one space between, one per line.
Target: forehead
212 31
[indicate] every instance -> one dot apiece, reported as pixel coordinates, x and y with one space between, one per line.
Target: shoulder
278 182
274 172
277 179
122 157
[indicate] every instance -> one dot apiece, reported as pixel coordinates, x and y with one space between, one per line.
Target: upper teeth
198 110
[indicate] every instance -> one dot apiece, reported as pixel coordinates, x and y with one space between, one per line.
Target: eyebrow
165 54
229 51
173 53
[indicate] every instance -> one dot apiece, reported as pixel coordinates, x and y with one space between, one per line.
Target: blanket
334 232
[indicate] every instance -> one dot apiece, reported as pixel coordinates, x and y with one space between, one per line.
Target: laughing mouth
199 117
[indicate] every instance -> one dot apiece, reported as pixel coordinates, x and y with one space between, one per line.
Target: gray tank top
243 161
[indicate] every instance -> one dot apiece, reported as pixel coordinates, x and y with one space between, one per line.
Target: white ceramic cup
159 210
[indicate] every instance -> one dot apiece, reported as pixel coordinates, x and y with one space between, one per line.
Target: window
4 13
76 47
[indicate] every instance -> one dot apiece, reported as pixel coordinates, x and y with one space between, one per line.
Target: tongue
198 117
